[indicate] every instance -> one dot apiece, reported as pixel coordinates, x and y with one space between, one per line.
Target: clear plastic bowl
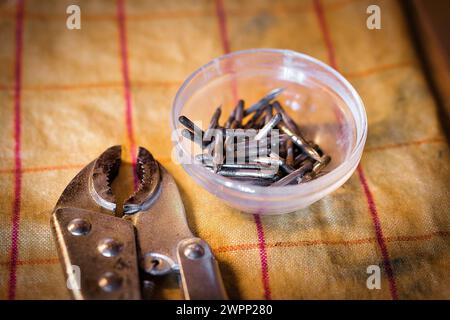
324 104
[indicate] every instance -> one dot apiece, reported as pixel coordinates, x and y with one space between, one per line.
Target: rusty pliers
118 257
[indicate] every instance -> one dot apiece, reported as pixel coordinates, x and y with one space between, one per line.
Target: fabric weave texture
67 95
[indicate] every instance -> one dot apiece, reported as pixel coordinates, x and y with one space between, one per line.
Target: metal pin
232 116
321 173
266 144
217 155
215 118
286 118
300 142
295 175
271 159
239 112
243 145
277 141
229 121
254 181
204 158
259 124
247 173
282 152
236 146
190 125
196 139
244 155
299 159
238 166
235 119
234 124
264 101
319 166
229 143
239 133
289 153
209 136
286 168
269 126
253 145
213 124
281 163
254 119
316 169
316 147
268 116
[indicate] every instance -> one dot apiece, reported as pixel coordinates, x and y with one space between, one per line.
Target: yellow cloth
70 103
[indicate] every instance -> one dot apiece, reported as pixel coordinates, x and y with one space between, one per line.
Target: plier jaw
114 251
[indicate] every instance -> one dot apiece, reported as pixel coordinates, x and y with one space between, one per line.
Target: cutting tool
118 254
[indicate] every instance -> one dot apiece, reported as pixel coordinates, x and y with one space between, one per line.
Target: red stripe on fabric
222 20
221 17
263 257
325 33
379 234
17 151
127 85
370 201
223 29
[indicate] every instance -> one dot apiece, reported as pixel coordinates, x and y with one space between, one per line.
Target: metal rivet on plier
109 247
110 281
79 227
194 251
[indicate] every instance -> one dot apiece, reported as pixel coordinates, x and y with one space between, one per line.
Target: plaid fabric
66 95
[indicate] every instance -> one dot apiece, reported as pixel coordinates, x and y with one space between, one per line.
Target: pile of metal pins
296 160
